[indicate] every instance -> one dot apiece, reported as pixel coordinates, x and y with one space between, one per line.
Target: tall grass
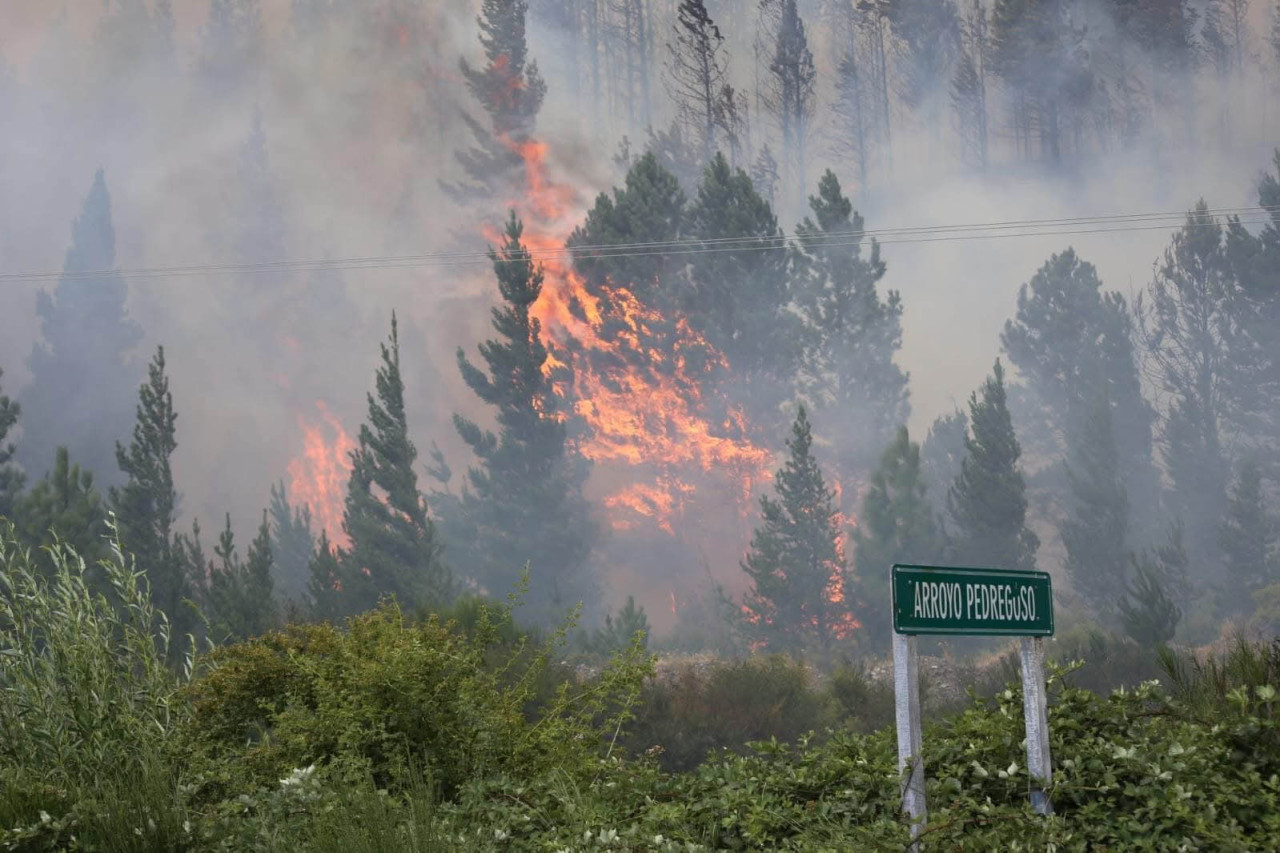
87 700
1247 672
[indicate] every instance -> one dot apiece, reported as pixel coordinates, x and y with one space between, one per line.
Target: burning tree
523 503
796 563
510 90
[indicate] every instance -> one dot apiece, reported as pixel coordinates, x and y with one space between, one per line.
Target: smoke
359 123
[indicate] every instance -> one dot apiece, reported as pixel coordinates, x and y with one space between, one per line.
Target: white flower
297 777
500 834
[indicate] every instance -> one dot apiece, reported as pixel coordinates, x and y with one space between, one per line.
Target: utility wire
1102 224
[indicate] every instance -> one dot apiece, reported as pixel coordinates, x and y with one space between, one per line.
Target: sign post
935 600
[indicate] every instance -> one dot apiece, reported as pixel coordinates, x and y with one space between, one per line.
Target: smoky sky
360 124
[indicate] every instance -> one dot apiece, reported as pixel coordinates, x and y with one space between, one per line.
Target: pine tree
510 90
523 502
64 506
792 93
1148 613
1248 539
292 544
696 71
795 564
1185 322
896 525
1254 347
1149 609
11 477
1096 535
740 300
240 593
146 506
1073 344
1037 51
941 456
854 334
969 88
929 34
324 585
394 547
988 501
80 379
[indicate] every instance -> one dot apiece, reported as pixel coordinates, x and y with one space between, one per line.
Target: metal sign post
935 600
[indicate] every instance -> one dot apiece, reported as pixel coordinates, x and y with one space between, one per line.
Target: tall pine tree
292 544
1248 540
81 382
11 477
394 546
1096 534
510 90
853 333
797 601
792 94
1186 324
523 502
988 500
1073 345
65 504
696 72
146 505
240 593
896 525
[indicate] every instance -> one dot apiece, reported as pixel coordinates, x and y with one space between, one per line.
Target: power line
1102 224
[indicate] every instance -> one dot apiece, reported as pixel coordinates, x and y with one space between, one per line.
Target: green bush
732 704
384 694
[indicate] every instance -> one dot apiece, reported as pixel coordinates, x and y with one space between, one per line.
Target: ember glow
650 425
318 478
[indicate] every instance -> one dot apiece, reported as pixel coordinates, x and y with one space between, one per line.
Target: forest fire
318 478
637 419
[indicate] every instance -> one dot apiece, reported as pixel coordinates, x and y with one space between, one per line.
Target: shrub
728 706
383 694
87 703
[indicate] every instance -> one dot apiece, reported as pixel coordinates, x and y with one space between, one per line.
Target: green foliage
1148 610
988 498
81 383
1213 684
292 545
1248 540
147 504
240 600
523 503
865 704
617 634
691 715
394 546
796 565
1186 325
384 695
854 333
64 507
1095 535
87 699
740 300
896 525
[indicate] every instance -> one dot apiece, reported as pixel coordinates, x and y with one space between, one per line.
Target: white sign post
906 689
934 600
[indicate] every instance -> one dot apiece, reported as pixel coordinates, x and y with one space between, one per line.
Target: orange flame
636 418
318 478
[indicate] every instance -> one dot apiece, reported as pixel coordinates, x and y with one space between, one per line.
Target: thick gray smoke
325 134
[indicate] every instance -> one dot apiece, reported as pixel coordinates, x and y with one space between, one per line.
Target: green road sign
941 600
